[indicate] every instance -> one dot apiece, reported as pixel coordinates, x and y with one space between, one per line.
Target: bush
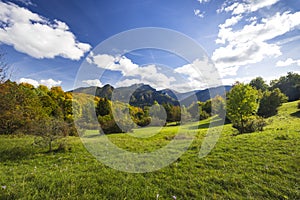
109 125
144 121
251 125
298 104
270 101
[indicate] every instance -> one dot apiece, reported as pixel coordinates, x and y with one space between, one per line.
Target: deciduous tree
242 104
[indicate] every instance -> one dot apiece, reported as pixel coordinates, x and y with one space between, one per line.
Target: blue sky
48 41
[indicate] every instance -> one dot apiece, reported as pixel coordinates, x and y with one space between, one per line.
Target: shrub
298 104
251 125
270 101
144 121
109 125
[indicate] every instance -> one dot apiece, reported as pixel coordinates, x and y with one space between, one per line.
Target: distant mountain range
144 95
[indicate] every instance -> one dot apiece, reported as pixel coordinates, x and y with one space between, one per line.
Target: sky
60 42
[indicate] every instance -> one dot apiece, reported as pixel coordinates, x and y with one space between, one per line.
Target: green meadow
260 165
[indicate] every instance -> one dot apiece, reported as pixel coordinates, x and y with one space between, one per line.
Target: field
261 165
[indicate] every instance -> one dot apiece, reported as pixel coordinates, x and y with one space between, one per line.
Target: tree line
49 114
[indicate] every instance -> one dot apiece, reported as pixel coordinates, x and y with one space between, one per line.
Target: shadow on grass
296 114
216 123
93 136
16 154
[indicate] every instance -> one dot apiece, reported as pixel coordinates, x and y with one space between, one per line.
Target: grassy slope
262 165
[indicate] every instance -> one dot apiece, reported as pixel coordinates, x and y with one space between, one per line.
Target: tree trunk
50 146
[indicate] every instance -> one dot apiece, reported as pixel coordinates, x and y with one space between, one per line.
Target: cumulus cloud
250 44
231 21
93 82
37 36
200 74
198 13
30 81
287 62
49 82
132 73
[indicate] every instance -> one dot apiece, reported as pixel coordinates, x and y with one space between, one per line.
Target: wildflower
3 187
157 196
174 197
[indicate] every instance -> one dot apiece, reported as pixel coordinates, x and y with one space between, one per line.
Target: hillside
261 165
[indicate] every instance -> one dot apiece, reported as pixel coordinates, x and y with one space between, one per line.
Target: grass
261 165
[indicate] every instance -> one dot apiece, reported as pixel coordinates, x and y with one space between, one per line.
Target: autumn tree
19 105
242 104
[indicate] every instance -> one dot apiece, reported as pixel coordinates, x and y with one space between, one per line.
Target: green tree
219 106
242 104
197 112
259 83
103 107
270 101
289 85
158 114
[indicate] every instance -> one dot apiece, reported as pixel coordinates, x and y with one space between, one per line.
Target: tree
289 85
219 106
270 101
259 83
242 104
159 116
19 105
197 112
103 107
48 131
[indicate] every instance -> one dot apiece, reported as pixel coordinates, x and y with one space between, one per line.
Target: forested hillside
45 112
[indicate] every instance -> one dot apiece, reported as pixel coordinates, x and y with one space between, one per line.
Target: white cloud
198 13
231 21
203 1
252 19
36 36
246 6
250 44
49 83
200 74
30 81
288 62
93 82
132 73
